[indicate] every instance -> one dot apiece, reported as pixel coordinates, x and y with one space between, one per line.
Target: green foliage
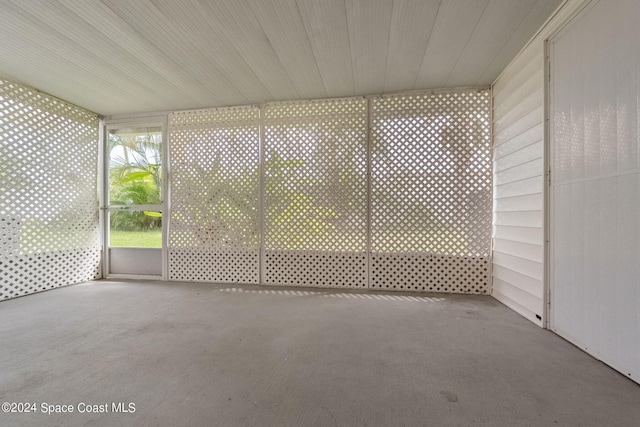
297 220
134 173
134 221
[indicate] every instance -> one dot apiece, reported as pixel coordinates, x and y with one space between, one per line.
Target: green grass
136 239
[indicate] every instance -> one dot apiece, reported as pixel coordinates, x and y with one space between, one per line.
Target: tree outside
135 178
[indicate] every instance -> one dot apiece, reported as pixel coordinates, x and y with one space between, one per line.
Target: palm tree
138 159
135 177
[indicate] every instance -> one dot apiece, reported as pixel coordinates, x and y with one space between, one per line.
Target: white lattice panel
213 234
315 199
26 274
431 192
9 236
306 111
317 269
48 199
214 265
432 273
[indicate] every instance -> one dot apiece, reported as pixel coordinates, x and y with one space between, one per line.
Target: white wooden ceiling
128 56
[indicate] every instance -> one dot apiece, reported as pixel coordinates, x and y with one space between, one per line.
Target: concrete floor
198 355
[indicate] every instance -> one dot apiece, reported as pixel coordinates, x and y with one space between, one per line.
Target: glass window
135 166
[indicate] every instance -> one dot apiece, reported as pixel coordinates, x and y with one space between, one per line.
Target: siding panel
525 171
519 249
530 202
527 267
519 126
532 235
518 300
519 218
518 188
522 282
518 206
529 104
520 157
518 179
519 142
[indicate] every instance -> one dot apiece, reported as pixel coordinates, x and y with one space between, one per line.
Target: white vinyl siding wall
519 176
518 99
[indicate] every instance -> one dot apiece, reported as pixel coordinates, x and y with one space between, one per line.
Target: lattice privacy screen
390 192
315 199
48 192
431 192
213 233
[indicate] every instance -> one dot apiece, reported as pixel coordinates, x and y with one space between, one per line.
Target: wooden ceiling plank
282 24
64 51
454 26
327 30
527 28
127 49
171 42
369 27
208 46
411 26
497 25
242 30
117 56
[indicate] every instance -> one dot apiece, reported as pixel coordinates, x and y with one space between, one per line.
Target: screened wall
390 192
49 234
214 183
431 192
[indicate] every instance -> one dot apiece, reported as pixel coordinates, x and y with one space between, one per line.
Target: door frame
133 121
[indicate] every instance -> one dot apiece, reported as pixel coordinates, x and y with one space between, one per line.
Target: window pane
135 166
140 229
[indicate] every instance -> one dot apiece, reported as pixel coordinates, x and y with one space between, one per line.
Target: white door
595 184
134 200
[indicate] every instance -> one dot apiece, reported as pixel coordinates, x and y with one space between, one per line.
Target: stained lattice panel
430 190
48 199
208 265
213 234
429 273
318 269
315 200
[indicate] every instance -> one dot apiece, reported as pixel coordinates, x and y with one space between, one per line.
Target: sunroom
296 212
